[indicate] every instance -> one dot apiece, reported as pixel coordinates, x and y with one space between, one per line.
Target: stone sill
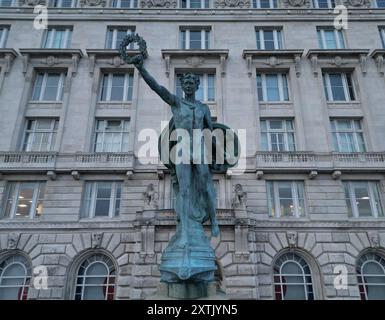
343 104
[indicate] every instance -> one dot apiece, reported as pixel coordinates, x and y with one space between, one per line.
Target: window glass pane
272 87
377 200
195 39
117 88
25 199
52 86
286 199
38 85
104 88
362 199
337 87
347 197
270 198
269 39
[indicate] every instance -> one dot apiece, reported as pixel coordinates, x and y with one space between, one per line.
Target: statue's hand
137 60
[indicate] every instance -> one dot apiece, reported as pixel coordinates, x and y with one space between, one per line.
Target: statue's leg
208 190
183 200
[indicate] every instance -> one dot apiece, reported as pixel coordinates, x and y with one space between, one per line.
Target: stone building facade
76 200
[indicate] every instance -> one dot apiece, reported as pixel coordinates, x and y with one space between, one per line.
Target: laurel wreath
132 38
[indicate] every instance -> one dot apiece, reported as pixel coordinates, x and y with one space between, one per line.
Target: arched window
292 278
371 277
95 279
15 275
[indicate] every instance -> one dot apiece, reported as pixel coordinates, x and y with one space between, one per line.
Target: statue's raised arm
138 60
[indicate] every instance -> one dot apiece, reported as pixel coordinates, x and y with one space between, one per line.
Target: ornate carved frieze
33 3
338 58
232 4
357 3
159 3
273 59
296 3
93 3
195 58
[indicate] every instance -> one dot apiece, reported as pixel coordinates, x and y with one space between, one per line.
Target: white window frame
375 5
369 258
133 4
276 200
304 275
114 36
338 34
355 131
204 84
35 198
122 132
330 4
51 132
59 90
280 87
4 31
345 87
277 36
13 2
109 86
204 32
93 199
24 263
382 35
272 3
353 202
111 273
51 33
285 131
60 4
188 5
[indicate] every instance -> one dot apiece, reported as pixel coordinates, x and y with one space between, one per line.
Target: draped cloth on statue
195 262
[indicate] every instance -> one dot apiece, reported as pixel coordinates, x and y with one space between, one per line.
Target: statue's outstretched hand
137 60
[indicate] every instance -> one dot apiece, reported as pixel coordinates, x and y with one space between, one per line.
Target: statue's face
189 86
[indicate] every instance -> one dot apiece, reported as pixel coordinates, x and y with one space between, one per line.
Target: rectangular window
7 3
272 87
101 199
379 3
265 4
63 3
338 86
124 3
285 198
48 86
115 37
194 39
3 36
382 35
111 136
269 39
57 37
277 135
24 200
116 87
324 4
363 199
40 135
330 38
348 135
195 4
206 90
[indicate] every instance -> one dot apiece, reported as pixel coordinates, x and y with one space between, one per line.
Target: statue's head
189 83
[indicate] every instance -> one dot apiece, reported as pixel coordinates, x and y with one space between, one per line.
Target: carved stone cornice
93 3
338 58
273 59
232 4
158 3
296 3
107 56
195 58
51 57
7 56
378 55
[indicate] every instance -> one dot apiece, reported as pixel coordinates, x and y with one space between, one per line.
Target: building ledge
338 58
51 57
378 55
260 54
195 58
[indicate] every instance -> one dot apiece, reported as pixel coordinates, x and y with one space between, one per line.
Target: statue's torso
189 115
